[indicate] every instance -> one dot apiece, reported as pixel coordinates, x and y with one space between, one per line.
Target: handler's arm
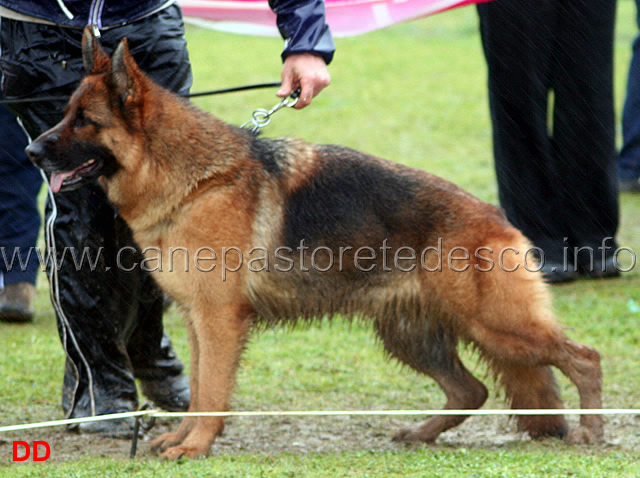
308 47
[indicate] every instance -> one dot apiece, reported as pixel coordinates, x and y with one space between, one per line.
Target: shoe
629 185
557 272
120 428
170 393
16 302
115 428
600 270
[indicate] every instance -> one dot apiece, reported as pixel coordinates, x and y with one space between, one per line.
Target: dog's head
99 122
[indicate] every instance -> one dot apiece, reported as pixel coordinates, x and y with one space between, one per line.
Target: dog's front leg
166 440
221 337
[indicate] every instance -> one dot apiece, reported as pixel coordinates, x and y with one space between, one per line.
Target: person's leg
98 377
153 360
584 131
159 46
629 158
517 38
96 306
19 222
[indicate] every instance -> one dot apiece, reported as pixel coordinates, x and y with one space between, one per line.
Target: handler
109 319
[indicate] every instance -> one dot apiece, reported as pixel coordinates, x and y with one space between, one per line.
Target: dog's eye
83 120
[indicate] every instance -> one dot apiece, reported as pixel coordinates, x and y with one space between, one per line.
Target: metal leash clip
262 117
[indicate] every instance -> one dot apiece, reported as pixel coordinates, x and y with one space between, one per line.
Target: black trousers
550 75
110 320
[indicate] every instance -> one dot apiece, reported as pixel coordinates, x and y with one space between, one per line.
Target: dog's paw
584 436
177 452
165 441
414 434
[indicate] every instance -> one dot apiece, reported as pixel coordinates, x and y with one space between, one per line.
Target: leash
260 118
234 89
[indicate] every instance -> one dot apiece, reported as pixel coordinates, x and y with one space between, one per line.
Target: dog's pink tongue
57 179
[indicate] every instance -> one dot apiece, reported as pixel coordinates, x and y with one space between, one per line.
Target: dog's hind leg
521 339
581 364
525 364
433 352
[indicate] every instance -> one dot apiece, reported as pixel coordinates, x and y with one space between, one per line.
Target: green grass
414 93
441 463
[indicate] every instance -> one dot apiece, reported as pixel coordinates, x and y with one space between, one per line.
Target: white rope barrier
324 413
73 421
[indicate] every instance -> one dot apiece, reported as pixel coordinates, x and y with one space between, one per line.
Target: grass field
414 93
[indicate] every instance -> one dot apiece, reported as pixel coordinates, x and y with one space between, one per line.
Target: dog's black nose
35 151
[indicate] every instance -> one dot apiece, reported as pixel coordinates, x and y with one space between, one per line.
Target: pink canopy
345 17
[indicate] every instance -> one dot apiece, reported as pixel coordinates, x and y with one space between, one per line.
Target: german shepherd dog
326 221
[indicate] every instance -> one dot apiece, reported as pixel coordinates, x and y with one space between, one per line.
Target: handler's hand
307 72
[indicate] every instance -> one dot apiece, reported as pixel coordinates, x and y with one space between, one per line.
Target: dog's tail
529 387
517 335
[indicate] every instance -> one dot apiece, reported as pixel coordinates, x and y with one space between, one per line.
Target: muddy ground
273 435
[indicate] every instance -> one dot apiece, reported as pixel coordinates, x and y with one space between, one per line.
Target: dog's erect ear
125 72
94 58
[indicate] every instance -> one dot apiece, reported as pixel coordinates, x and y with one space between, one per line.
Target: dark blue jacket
302 23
